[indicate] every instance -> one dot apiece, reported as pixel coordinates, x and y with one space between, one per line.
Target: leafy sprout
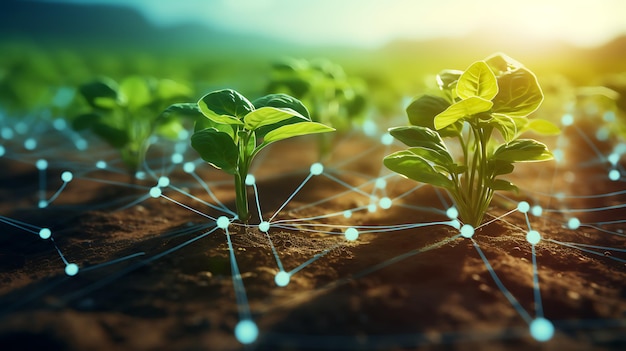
496 94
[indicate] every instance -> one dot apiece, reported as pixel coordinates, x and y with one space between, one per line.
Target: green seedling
232 130
496 94
127 115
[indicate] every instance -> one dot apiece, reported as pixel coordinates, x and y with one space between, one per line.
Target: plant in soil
485 110
231 131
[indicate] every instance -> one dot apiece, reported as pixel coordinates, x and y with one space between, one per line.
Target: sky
371 23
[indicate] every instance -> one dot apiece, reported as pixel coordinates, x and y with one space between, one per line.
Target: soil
385 291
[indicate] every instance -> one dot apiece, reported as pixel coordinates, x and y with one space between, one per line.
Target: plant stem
241 192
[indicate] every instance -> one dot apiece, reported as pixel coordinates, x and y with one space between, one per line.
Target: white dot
67 176
614 175
567 119
155 192
347 214
140 175
537 210
250 180
59 124
163 182
381 183
533 237
602 134
573 223
223 222
246 331
317 168
613 158
177 158
81 144
71 269
101 164
183 134
45 233
41 164
42 204
7 133
21 128
370 128
351 234
2 151
467 231
371 208
523 207
386 139
609 116
264 226
558 155
452 213
385 203
455 223
189 167
282 278
620 148
541 329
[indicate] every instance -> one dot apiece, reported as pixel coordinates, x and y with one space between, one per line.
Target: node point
163 182
246 331
452 213
41 164
71 269
573 223
351 234
223 222
567 119
613 158
386 139
536 211
533 237
614 175
189 167
183 134
370 128
523 207
371 208
385 203
59 124
67 176
380 183
250 180
609 116
42 204
347 214
558 155
45 233
6 133
282 278
177 158
101 164
541 329
81 144
2 151
155 192
455 223
602 134
317 168
264 226
140 175
467 231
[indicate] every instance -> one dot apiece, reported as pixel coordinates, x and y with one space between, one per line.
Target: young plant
232 130
496 94
127 115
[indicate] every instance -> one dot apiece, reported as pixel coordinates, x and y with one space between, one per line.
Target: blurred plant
495 94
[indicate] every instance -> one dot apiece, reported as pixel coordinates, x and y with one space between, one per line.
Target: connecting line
578 247
117 260
314 258
278 261
133 203
240 290
205 186
291 196
537 292
59 251
499 218
582 210
415 188
501 286
590 144
111 182
42 183
256 197
222 208
187 207
20 225
363 228
341 182
54 197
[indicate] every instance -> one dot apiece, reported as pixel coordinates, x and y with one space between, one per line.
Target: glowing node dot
42 204
573 223
140 175
317 168
351 234
71 269
21 128
347 214
558 155
567 119
41 164
246 331
2 151
381 183
537 210
523 207
370 128
177 158
59 124
67 176
223 222
533 237
467 231
371 208
155 192
282 278
613 158
385 203
264 226
386 139
541 329
602 134
101 164
614 175
189 167
620 148
456 224
7 133
183 134
609 116
45 233
163 182
250 180
452 213
81 144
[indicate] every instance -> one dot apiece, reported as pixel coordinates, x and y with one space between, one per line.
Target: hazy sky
371 23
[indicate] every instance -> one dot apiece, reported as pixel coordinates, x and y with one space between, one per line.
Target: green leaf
168 90
282 101
423 110
503 185
417 168
522 150
105 103
478 80
225 106
296 129
501 63
116 137
447 78
204 123
135 92
183 110
436 157
85 121
505 124
216 148
461 109
416 136
499 167
543 126
519 93
103 88
269 115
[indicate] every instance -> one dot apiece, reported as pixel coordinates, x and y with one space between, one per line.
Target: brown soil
439 299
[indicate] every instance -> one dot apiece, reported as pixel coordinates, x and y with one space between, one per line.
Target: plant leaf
282 101
86 120
447 78
225 106
116 137
216 148
522 150
436 157
519 93
135 92
103 88
503 185
296 129
168 90
422 112
505 124
501 63
478 80
461 109
543 126
499 167
417 168
416 136
269 115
